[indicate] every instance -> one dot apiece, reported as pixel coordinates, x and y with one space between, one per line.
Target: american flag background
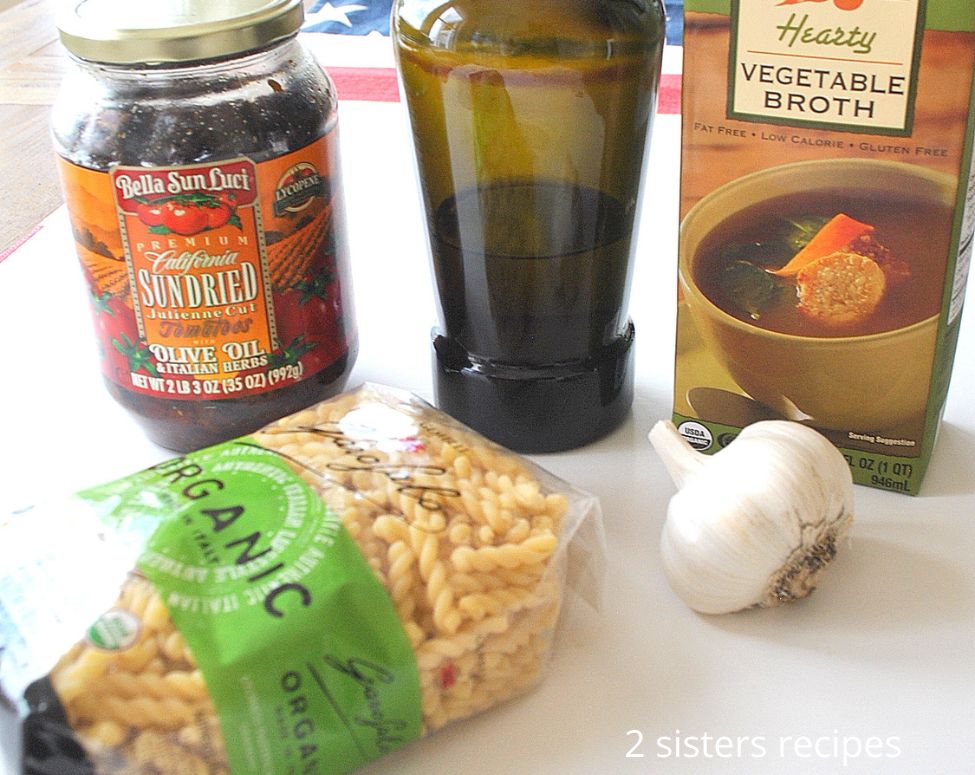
362 17
348 17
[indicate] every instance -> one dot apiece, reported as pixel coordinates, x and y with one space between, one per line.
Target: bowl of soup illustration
818 285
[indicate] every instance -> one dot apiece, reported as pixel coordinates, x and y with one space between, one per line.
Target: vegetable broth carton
827 211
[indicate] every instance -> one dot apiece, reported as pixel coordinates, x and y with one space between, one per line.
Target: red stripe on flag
378 84
368 84
668 98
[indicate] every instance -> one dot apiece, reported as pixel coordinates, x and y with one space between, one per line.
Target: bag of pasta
305 599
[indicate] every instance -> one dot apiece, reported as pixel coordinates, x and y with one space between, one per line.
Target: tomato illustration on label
188 215
310 320
217 215
150 213
118 339
185 219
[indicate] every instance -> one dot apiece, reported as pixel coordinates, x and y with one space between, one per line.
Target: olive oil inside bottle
532 272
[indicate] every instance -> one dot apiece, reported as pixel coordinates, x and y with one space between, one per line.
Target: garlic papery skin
757 523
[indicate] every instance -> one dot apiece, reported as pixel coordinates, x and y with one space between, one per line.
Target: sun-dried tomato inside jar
199 163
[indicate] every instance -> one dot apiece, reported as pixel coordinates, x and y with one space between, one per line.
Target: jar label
213 280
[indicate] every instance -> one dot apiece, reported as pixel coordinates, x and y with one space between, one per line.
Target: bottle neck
559 29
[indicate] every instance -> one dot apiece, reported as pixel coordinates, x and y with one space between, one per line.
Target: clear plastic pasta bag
301 600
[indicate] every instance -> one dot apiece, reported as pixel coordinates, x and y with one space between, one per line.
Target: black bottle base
536 408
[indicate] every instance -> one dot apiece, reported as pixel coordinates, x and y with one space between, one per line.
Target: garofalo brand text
829 63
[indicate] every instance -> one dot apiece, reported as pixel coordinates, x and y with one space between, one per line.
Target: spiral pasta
461 534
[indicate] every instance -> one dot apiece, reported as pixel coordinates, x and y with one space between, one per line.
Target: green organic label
301 648
115 630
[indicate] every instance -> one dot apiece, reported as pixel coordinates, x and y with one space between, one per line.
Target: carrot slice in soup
839 232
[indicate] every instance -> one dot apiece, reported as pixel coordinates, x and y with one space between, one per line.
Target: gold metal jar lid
142 32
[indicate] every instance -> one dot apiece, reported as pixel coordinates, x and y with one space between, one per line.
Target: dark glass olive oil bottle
530 122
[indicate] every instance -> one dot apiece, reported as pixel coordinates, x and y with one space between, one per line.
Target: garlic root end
800 574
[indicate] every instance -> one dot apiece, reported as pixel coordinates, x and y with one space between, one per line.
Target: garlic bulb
757 523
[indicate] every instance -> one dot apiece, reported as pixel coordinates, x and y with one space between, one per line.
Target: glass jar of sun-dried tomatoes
199 163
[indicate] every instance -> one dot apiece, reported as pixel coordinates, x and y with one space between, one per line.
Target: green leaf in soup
797 232
749 288
764 253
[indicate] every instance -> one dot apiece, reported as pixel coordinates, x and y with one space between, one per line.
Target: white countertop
879 663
